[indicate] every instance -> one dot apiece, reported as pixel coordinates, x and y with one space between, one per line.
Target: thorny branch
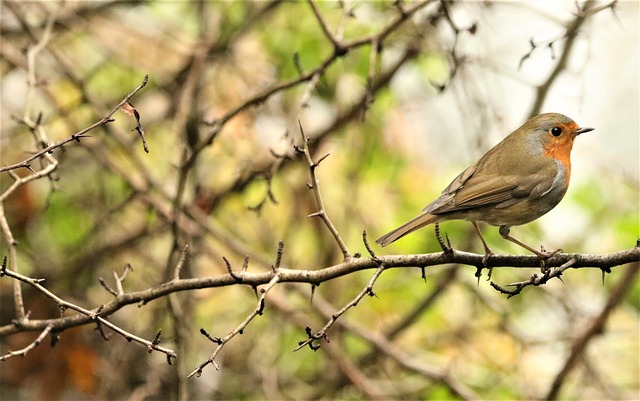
282 275
595 328
535 280
322 333
92 315
240 328
187 220
25 350
317 276
571 33
382 344
314 185
78 135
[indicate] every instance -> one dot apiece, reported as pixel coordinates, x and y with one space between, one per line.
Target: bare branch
25 350
382 345
92 315
181 261
325 28
238 330
78 135
595 328
314 185
571 34
315 277
322 334
535 280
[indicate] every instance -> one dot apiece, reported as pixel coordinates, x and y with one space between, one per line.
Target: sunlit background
108 201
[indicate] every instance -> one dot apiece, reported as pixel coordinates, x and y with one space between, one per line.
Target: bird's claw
485 258
543 255
485 262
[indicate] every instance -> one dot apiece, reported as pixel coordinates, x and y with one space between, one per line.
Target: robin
520 179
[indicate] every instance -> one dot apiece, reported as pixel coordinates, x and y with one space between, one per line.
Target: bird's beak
583 130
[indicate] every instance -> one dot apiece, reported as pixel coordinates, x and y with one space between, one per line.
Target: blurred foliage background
399 121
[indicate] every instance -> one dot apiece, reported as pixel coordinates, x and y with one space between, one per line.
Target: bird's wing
450 191
470 191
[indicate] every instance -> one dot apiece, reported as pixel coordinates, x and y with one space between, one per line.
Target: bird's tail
407 228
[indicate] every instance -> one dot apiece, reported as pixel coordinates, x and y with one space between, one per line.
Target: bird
517 181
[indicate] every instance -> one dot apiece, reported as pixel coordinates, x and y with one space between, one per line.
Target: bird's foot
543 255
485 262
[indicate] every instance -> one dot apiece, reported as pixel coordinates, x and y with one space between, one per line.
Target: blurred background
229 82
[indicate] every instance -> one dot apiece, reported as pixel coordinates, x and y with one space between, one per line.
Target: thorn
604 271
321 159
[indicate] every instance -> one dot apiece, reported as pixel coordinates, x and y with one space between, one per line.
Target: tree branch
78 135
315 277
92 316
572 30
314 185
595 328
240 328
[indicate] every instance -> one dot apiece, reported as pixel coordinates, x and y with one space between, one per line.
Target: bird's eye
556 131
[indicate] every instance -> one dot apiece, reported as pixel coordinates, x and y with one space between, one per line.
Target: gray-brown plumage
517 181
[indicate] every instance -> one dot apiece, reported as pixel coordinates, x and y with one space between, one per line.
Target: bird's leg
487 251
504 232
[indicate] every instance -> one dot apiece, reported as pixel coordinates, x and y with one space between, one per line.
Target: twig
129 109
322 334
238 330
78 135
571 34
374 53
382 345
32 54
20 181
314 185
93 315
181 261
338 48
118 280
535 280
596 327
25 350
368 247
